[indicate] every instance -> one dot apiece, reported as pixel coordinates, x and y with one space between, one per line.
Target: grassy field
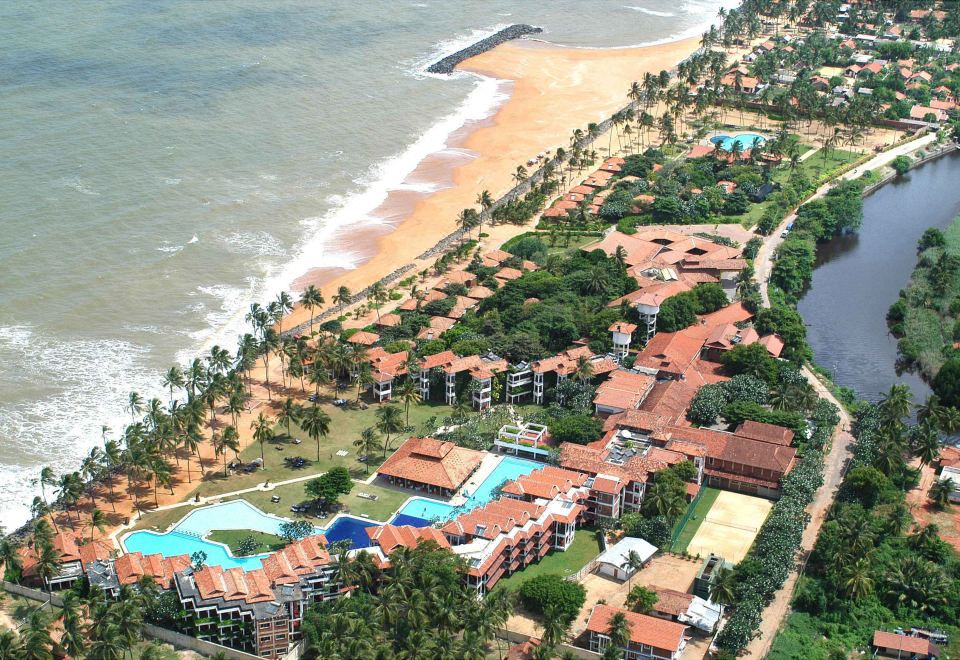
232 537
586 546
928 323
817 169
700 510
388 500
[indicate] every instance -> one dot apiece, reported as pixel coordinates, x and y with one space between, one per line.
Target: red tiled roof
904 643
364 338
547 483
671 601
391 537
648 630
390 320
134 565
623 390
562 363
776 435
432 462
672 352
233 584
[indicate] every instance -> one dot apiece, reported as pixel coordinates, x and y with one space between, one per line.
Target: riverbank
550 91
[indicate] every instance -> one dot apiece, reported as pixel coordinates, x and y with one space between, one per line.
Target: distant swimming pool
186 535
745 140
509 468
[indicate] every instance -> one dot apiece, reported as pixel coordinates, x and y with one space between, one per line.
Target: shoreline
551 90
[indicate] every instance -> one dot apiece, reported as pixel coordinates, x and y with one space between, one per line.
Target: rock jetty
448 63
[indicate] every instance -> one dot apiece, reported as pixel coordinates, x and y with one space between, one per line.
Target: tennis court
730 526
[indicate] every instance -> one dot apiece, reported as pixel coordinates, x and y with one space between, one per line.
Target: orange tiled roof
648 630
562 363
672 352
432 462
233 584
671 601
364 338
623 390
135 565
547 483
391 537
299 558
776 435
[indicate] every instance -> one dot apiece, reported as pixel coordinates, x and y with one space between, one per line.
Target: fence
586 570
514 637
678 528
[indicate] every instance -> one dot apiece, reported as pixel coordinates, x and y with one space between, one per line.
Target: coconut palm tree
47 562
409 394
366 444
134 405
12 563
520 174
940 491
290 411
229 439
632 563
485 201
37 643
98 521
378 294
619 631
389 421
262 432
10 646
723 587
316 423
74 638
857 582
926 444
342 298
311 299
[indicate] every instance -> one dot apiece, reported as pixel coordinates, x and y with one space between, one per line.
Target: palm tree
632 564
342 298
467 219
723 587
74 638
619 631
37 643
134 405
520 174
316 423
311 298
269 344
940 492
554 627
229 439
366 444
926 444
388 421
10 646
378 294
289 412
98 521
408 393
12 563
485 201
895 404
262 432
857 583
47 562
109 646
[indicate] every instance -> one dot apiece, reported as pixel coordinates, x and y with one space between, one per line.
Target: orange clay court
730 526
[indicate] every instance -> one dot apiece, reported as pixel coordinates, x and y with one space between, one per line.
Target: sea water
167 163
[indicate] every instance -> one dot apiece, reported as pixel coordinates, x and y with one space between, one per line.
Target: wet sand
552 91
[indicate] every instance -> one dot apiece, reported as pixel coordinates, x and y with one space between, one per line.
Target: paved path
763 263
835 462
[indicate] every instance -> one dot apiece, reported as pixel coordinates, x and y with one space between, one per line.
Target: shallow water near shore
168 163
858 277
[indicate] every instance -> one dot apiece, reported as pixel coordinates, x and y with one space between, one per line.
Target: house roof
132 566
648 630
563 363
390 320
671 352
391 537
623 327
547 483
364 338
233 584
775 435
299 558
889 640
671 601
432 462
618 553
623 390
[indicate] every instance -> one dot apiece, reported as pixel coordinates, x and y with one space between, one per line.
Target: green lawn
232 537
697 515
345 427
388 500
586 546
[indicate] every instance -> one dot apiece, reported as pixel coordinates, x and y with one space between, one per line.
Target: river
858 276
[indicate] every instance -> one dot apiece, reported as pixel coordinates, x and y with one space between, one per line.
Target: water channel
858 276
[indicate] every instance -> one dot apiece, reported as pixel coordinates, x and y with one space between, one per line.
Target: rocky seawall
449 63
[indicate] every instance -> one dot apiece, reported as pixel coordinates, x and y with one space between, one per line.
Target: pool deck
487 466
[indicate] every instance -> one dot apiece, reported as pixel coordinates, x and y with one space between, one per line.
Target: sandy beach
552 90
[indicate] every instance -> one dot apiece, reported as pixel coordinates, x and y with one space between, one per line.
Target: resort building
623 390
431 466
506 534
551 371
613 563
650 637
528 440
130 568
892 645
622 336
686 608
74 557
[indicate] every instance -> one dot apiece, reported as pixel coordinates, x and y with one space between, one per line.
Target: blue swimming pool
508 469
745 140
186 536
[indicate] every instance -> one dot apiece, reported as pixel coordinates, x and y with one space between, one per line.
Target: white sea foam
78 184
170 249
418 67
254 243
81 385
651 12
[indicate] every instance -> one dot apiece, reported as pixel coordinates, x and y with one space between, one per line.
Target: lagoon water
167 163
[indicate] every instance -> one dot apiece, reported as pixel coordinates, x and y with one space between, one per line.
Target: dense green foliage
418 607
551 593
579 429
873 567
680 311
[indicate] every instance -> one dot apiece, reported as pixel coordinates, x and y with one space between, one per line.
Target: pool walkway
487 466
212 499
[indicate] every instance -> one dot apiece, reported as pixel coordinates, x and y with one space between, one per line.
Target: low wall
178 640
181 641
515 637
914 163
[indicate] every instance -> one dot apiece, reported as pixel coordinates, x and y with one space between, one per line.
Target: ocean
167 163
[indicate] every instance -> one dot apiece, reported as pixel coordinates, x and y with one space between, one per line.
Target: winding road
836 460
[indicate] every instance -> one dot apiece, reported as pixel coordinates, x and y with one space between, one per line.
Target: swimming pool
745 140
186 536
508 469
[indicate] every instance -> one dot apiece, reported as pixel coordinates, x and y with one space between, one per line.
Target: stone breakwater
449 63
